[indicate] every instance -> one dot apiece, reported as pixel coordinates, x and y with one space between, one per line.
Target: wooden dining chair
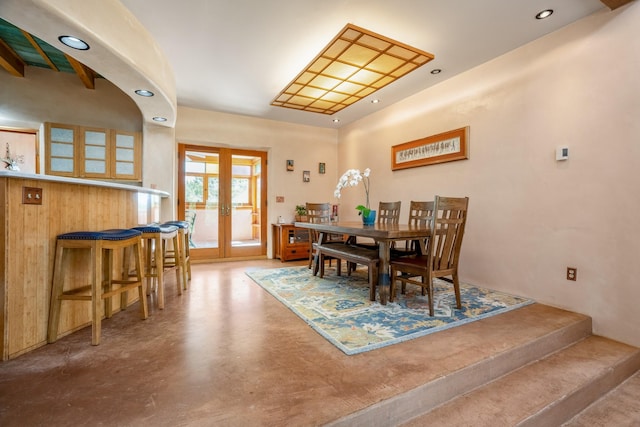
318 213
442 251
420 213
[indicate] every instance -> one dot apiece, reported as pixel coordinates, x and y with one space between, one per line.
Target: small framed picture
289 165
306 176
321 167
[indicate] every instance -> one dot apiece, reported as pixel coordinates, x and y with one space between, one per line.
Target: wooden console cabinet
290 242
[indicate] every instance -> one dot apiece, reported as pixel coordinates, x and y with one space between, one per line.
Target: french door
222 194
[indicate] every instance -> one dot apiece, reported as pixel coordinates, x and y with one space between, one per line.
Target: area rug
339 309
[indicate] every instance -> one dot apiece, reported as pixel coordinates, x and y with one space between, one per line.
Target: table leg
384 279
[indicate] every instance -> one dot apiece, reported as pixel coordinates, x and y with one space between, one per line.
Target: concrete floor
226 353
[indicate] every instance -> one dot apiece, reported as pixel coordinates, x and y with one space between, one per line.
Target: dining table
383 234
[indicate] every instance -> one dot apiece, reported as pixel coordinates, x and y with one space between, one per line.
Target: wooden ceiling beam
614 4
85 73
38 49
10 61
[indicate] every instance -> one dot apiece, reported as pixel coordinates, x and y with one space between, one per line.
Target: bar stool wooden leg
107 284
159 270
56 292
137 250
96 292
180 278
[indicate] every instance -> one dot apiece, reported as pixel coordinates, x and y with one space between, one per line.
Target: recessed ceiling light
436 71
355 64
159 119
73 42
375 101
144 92
544 14
336 120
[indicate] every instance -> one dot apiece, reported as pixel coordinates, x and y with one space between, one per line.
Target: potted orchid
351 178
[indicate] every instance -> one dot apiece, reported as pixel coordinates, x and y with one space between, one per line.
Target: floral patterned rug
338 308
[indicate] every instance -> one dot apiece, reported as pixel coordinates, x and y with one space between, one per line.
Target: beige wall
530 216
305 145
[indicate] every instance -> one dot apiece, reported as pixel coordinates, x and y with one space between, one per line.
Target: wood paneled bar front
35 210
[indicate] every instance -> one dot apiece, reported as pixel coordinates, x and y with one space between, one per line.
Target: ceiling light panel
356 63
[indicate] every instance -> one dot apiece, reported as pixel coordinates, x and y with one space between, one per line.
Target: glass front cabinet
290 243
84 152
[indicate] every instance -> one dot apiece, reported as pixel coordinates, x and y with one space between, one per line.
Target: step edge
582 397
426 397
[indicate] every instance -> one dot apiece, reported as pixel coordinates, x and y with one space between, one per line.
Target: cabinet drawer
296 252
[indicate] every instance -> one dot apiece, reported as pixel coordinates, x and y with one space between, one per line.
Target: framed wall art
321 168
289 165
306 176
440 148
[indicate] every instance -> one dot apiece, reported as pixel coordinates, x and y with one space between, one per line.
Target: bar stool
185 256
154 238
101 244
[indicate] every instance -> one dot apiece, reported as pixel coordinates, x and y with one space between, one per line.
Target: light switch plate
31 196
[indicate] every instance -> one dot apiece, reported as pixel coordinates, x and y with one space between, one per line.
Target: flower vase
370 218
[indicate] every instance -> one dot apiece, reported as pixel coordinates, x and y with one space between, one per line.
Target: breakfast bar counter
35 209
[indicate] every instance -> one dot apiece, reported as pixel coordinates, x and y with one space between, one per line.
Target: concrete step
620 407
547 392
452 362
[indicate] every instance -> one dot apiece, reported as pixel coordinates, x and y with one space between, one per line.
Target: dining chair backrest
389 212
318 212
447 230
420 213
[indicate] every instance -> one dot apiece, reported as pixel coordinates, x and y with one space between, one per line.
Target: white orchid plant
351 178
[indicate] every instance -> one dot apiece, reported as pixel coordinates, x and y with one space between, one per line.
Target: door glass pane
213 190
202 198
245 201
194 189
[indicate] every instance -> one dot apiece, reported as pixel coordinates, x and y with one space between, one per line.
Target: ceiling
236 56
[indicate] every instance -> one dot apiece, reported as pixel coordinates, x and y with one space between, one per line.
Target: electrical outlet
572 273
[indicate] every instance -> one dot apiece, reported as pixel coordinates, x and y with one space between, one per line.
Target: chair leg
320 263
148 260
96 293
159 264
183 262
56 292
456 287
124 296
107 266
392 284
180 280
137 250
427 282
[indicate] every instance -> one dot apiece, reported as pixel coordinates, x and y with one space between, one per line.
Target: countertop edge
79 181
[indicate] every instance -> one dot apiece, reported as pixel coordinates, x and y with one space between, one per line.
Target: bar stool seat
154 238
184 253
101 244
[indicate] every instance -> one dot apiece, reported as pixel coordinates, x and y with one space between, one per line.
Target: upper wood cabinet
86 152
